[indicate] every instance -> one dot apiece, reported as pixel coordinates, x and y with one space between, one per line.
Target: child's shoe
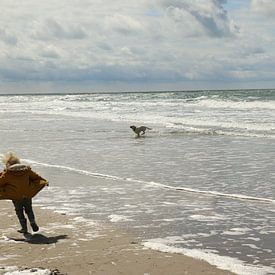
23 230
35 227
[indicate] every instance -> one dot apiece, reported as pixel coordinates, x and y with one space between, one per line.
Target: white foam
52 226
232 233
253 239
5 239
99 107
239 105
253 246
222 262
236 231
13 270
87 222
160 185
207 218
118 218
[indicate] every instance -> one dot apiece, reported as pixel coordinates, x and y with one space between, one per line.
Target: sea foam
222 262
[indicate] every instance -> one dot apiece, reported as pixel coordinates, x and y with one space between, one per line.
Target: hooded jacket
18 181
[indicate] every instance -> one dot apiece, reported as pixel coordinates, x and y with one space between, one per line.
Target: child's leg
28 209
18 205
30 214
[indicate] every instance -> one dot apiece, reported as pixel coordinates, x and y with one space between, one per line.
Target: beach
71 245
194 193
199 184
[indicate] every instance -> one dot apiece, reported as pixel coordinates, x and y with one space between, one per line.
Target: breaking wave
160 185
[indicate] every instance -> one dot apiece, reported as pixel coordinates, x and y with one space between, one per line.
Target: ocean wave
156 184
222 262
230 104
182 129
164 124
180 113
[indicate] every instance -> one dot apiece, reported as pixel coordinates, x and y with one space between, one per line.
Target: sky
126 45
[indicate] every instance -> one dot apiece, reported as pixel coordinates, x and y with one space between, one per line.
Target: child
19 184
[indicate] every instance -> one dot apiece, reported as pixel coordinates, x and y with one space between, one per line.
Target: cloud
154 42
7 37
49 51
209 16
123 24
51 28
265 7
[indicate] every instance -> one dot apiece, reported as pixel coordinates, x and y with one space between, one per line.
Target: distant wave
160 185
170 125
239 113
230 104
196 130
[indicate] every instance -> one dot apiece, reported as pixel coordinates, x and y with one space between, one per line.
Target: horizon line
132 92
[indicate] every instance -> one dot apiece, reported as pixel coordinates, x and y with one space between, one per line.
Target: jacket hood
18 168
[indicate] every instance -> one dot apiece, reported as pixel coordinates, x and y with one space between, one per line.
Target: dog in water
139 130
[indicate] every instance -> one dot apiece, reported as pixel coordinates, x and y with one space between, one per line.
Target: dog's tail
148 128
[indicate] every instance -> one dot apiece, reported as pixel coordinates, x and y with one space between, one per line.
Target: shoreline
72 245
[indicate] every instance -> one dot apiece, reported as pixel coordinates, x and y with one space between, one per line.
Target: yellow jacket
19 181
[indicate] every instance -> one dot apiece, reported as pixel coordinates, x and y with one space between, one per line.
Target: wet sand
72 245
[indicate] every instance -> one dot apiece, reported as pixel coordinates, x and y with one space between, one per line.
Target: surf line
160 185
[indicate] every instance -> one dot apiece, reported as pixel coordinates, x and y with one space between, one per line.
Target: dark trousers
24 205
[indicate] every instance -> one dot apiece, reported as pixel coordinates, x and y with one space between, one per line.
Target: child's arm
36 179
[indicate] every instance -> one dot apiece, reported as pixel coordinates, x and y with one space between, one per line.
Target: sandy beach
71 245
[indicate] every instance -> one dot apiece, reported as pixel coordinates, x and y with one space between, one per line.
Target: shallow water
207 188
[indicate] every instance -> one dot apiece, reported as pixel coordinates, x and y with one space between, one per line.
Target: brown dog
139 130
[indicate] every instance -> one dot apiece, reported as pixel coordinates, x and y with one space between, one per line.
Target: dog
139 130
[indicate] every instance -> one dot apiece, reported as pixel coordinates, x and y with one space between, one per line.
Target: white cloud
266 7
123 24
210 16
50 51
7 37
133 42
52 29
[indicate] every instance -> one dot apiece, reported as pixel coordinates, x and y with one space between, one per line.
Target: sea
201 182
